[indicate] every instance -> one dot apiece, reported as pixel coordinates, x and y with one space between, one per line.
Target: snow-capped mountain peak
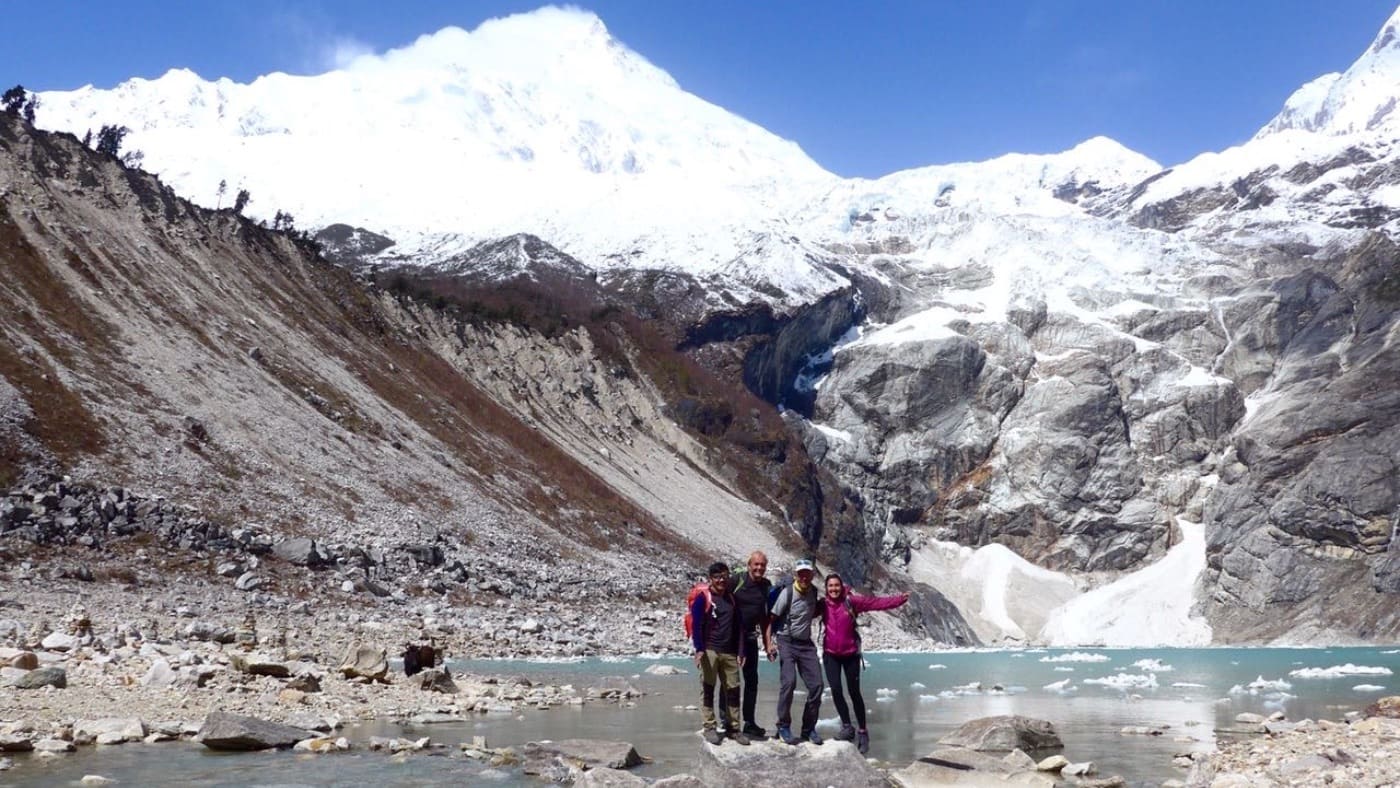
1361 100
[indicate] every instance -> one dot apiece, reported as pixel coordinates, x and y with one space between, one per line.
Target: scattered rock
53 746
1082 769
10 742
1053 764
43 677
665 670
256 664
772 764
437 680
124 728
225 731
586 753
1004 733
365 662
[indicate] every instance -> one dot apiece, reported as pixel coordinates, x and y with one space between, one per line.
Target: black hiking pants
799 657
850 666
750 681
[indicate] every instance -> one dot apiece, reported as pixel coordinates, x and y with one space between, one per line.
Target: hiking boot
847 733
812 736
863 742
712 736
785 733
739 737
754 731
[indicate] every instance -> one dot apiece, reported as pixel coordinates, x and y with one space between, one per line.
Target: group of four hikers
727 618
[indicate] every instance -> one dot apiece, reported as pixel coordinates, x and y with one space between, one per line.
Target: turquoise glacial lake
913 699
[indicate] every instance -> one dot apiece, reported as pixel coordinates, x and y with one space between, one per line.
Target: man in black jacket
751 594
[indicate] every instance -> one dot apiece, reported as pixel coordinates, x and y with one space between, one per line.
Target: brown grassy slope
124 310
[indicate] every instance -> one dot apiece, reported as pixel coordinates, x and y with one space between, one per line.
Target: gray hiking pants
794 657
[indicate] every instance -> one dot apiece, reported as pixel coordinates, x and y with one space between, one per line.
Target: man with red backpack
716 628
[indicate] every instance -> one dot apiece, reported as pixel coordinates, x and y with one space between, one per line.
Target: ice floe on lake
1153 666
1337 671
1125 681
1076 656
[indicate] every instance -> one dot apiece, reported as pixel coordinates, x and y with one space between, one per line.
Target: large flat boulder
43 677
256 664
961 766
1005 733
585 753
224 731
127 728
772 764
365 662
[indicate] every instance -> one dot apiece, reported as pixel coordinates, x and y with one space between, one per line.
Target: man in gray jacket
794 609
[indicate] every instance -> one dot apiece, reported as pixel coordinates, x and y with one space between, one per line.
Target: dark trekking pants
799 657
751 679
850 666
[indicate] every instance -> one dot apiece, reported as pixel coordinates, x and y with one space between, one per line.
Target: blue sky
866 88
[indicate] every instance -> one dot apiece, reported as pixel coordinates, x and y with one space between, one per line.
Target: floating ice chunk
1064 669
1337 671
1188 685
917 685
1125 681
885 699
1368 688
1259 685
927 698
1076 656
886 692
937 667
829 722
1062 686
1153 666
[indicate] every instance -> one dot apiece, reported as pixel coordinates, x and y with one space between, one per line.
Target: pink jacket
840 639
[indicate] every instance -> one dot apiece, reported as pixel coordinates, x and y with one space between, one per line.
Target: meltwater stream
914 699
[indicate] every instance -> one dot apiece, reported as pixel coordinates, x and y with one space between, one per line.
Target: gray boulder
365 662
126 728
1005 733
609 778
43 677
772 764
11 742
224 731
961 766
437 680
584 753
256 664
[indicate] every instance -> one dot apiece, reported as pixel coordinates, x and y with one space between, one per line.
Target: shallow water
905 721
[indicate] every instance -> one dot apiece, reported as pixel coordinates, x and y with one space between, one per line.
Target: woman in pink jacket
841 650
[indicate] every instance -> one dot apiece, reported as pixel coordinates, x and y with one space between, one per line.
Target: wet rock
772 764
664 670
1053 764
125 728
586 753
609 778
43 677
53 746
1081 769
959 765
225 731
309 721
10 742
1004 733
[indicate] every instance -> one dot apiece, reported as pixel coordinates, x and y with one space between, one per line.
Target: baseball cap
801 564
